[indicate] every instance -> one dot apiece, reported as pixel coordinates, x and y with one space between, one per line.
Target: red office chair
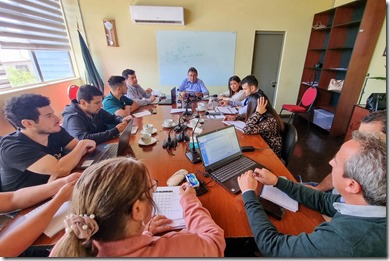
72 92
304 105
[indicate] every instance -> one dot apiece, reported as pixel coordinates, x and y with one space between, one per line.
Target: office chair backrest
72 92
289 139
309 97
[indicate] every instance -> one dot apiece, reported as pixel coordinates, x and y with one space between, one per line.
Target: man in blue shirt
116 102
358 225
193 84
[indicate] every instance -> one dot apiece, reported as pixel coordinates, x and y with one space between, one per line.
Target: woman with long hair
234 92
261 118
112 206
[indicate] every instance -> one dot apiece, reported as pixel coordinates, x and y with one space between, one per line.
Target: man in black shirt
36 151
84 118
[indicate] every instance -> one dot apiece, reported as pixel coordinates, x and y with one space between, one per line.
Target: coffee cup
148 128
201 107
146 138
168 123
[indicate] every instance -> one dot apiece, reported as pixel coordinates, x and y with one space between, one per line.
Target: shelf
317 49
336 69
311 67
327 108
351 24
341 48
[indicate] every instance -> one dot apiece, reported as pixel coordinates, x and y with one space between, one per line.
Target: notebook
110 150
222 157
169 100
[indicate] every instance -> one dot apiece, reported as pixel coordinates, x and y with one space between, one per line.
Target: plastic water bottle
210 105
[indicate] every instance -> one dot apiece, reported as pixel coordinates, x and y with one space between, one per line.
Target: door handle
274 83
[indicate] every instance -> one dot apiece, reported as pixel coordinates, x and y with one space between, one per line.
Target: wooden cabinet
358 114
341 45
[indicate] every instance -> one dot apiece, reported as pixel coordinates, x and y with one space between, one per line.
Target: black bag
376 101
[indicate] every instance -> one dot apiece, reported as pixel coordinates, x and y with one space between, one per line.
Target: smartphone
191 178
201 189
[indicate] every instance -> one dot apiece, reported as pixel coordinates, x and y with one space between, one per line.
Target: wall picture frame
110 32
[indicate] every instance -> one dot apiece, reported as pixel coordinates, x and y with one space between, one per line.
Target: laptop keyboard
110 152
231 169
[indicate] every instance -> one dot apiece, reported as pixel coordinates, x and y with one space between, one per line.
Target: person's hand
198 94
261 105
158 224
152 98
121 126
127 119
230 118
89 145
265 176
71 177
186 189
223 103
149 91
247 182
65 192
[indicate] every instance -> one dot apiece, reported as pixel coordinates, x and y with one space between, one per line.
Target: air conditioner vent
141 14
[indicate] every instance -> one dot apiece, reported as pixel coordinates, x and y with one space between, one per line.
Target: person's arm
29 196
19 239
182 86
50 165
199 221
325 185
253 126
239 96
205 91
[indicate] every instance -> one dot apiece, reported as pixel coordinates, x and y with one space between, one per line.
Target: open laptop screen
124 139
218 145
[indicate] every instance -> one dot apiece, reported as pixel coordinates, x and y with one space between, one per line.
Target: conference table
226 208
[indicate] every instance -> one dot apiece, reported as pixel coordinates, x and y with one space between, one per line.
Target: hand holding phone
191 178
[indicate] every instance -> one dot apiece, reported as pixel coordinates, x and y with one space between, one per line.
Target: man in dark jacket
84 118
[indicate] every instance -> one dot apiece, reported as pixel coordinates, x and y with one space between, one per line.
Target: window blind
32 25
4 82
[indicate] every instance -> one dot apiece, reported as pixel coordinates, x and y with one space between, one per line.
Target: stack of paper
142 113
279 197
239 125
168 202
226 109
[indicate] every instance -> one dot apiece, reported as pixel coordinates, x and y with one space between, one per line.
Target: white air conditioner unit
141 14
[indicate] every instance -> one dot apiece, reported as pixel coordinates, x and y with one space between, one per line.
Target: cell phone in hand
191 178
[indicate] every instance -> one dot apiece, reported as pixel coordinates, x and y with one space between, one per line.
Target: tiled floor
314 149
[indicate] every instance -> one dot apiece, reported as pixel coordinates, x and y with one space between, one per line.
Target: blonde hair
108 190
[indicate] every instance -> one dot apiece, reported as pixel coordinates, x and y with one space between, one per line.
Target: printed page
239 125
168 202
142 114
226 109
279 197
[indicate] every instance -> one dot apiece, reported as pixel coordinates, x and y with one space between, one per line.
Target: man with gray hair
358 225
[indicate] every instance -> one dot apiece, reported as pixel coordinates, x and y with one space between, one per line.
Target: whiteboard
211 53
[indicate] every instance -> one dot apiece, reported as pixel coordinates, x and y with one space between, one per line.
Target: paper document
168 203
179 110
57 222
239 125
226 109
141 114
279 197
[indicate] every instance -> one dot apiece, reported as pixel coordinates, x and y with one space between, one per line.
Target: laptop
169 100
222 157
111 150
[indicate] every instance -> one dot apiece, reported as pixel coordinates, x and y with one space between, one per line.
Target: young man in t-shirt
38 150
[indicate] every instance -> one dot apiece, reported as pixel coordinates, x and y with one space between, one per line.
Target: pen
300 179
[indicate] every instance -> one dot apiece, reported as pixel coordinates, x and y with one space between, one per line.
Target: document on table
179 110
142 114
168 203
279 197
57 222
226 109
239 125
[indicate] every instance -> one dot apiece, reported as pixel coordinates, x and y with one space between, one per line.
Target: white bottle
210 105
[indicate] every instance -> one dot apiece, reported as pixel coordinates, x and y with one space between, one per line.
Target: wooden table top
227 209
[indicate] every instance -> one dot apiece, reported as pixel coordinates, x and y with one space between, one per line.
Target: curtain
92 72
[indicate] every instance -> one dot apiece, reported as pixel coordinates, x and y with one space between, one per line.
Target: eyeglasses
154 185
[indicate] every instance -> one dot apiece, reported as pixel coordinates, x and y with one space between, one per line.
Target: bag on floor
376 102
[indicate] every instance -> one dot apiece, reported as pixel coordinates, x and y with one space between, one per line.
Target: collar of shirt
360 210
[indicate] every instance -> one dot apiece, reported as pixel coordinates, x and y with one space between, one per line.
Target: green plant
18 77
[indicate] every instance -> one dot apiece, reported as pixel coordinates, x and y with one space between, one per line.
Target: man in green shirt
116 102
358 225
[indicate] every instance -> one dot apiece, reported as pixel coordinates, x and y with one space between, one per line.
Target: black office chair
289 139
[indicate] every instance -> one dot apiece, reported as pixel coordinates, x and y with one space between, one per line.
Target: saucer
173 125
153 132
152 141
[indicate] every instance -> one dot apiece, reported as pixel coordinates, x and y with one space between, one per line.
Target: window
34 44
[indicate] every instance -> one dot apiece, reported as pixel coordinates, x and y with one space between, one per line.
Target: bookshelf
342 41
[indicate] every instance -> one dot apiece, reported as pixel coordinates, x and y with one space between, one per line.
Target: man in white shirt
135 91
